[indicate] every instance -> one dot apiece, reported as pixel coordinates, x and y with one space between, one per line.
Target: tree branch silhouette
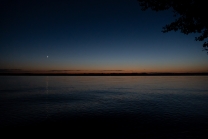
190 16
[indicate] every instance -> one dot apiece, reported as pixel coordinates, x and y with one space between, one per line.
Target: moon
47 56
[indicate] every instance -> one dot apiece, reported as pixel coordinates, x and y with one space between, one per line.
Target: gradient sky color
92 35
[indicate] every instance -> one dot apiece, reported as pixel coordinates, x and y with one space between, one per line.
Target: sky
92 35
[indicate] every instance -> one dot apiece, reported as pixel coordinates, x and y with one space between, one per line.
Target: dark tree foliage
191 16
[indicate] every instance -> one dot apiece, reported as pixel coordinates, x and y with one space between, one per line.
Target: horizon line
93 72
105 74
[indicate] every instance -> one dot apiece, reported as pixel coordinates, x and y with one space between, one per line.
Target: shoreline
103 74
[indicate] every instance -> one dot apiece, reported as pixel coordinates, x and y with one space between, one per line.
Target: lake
104 106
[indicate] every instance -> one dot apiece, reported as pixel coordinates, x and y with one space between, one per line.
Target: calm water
113 106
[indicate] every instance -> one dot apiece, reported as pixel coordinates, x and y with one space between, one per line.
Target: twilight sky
93 35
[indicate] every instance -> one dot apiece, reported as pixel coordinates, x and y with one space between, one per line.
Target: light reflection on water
28 99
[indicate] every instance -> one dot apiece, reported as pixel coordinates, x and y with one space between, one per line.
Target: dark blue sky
93 35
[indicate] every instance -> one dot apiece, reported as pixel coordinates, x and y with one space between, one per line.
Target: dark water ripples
133 105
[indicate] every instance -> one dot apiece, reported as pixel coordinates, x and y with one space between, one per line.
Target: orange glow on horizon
103 71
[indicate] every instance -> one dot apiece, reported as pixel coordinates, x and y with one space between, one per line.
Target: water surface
113 106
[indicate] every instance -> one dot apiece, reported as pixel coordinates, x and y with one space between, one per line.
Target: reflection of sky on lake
46 97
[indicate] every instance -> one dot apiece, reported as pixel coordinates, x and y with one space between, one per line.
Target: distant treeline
102 74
